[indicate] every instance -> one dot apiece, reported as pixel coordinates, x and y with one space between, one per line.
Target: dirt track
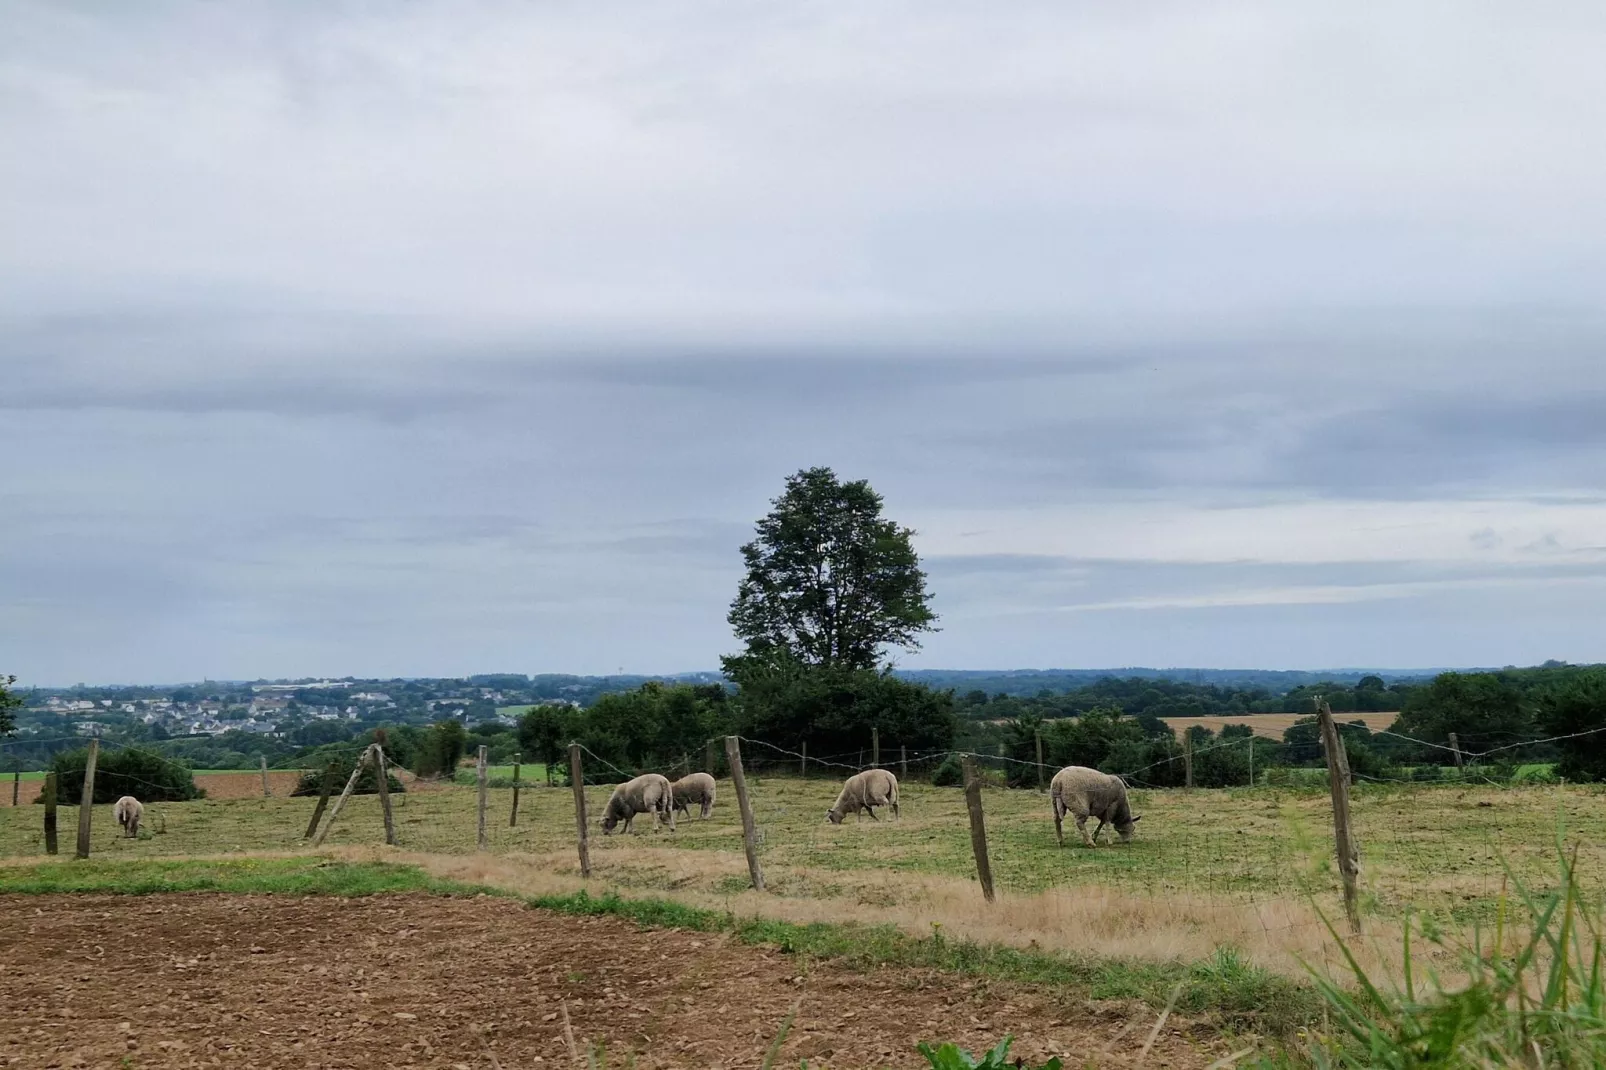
275 983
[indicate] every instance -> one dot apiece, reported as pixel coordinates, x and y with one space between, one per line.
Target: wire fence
1247 868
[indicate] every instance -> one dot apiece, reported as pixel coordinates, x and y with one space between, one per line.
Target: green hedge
146 776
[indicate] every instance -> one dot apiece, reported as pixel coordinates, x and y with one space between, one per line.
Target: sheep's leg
1081 826
1097 832
708 809
871 811
1059 822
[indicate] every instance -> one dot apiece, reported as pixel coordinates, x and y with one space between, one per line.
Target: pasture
1245 868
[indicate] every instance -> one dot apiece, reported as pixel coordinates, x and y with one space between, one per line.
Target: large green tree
1576 707
830 582
1483 709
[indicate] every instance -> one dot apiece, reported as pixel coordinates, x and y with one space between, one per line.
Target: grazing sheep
865 791
1085 793
695 788
649 793
128 811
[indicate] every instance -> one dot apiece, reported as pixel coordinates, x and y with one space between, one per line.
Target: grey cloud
344 340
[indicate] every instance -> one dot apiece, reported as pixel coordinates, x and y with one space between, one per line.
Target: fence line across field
1005 840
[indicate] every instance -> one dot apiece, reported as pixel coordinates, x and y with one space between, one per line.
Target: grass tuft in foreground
1530 999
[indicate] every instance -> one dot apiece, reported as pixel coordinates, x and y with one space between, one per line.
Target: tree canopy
8 702
830 582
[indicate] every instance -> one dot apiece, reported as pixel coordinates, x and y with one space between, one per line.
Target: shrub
950 774
441 749
311 783
129 771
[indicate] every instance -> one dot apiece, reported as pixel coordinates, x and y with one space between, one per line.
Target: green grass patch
246 876
531 774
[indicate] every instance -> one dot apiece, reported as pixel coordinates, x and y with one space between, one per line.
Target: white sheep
694 788
1085 793
865 791
128 811
649 793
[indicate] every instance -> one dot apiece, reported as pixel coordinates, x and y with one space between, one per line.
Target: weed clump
1530 999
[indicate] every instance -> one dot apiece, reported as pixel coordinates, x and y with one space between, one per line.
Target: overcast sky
430 339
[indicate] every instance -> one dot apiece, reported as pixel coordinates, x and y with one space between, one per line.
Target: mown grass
1224 987
531 775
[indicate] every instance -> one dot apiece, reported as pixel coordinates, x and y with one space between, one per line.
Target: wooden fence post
351 785
733 754
903 760
513 818
265 792
50 813
480 772
577 778
382 777
16 782
1344 840
324 791
86 803
1038 735
978 827
708 758
1251 758
1455 748
875 747
803 762
1187 759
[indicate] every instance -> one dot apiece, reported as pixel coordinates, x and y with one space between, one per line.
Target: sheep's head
608 823
834 816
1125 831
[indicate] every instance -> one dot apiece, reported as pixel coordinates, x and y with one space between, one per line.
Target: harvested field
246 785
1272 725
218 785
410 980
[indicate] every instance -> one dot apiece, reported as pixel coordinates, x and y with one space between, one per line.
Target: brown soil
247 785
274 983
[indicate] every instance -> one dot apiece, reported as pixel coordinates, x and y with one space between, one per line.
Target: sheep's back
694 787
1101 789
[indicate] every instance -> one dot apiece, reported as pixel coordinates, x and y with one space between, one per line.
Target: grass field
1241 868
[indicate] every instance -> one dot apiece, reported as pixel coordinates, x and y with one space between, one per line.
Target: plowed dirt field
274 983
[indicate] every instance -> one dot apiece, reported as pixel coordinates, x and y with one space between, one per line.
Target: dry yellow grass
1282 935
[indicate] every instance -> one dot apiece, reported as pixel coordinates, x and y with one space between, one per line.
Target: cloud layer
354 339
